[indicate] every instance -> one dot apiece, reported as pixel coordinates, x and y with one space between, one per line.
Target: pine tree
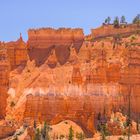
37 135
45 131
34 124
136 20
138 126
99 122
71 133
116 22
108 20
123 20
16 138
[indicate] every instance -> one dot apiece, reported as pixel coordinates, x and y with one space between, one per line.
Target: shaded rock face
7 129
42 41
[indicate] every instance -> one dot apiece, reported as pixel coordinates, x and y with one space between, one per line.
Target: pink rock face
4 82
42 41
59 109
91 82
74 81
17 53
130 80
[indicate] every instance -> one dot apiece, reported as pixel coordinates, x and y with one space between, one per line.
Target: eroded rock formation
17 53
4 80
110 30
68 78
42 41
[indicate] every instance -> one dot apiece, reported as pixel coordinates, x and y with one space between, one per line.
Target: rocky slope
4 80
68 77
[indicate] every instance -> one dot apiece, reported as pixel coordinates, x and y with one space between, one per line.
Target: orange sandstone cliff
4 80
17 53
42 41
68 77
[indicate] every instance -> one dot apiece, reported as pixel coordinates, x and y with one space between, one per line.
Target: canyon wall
130 80
12 55
42 41
4 81
69 78
109 30
92 81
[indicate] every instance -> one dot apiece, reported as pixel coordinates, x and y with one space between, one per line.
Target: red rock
109 30
17 53
72 83
4 81
42 41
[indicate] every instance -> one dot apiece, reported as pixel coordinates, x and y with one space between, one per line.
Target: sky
17 16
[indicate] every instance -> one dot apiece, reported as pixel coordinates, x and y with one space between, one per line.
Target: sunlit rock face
68 78
41 42
130 80
17 53
12 55
92 81
110 30
4 81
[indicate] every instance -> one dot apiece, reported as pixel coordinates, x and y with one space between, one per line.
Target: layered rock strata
110 30
42 41
4 81
17 53
67 78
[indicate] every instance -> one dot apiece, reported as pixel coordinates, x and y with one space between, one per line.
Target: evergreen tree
34 124
138 126
71 133
45 131
16 138
108 20
136 20
37 135
123 20
104 131
116 22
99 122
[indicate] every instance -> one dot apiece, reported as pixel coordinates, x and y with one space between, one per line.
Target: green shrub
61 137
16 138
66 122
80 136
120 138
